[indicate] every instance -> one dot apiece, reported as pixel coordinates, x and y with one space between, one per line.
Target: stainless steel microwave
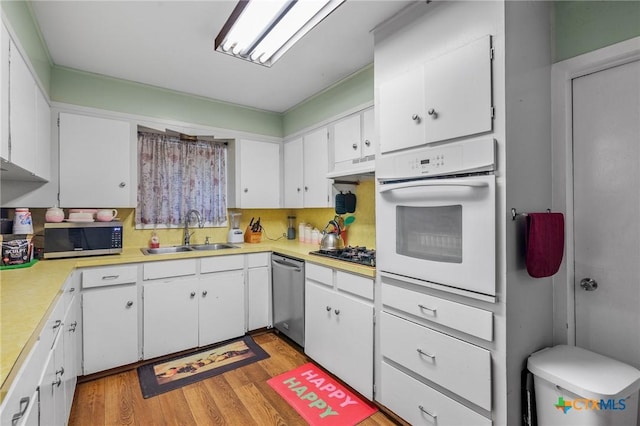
72 239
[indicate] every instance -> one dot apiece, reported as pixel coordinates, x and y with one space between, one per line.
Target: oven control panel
442 160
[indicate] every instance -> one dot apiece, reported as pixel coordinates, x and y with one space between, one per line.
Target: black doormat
166 375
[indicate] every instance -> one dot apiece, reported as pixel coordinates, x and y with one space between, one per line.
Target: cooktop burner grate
360 255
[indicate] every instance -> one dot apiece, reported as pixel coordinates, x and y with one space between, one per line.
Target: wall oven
436 216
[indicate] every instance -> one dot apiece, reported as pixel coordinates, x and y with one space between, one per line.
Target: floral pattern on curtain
175 176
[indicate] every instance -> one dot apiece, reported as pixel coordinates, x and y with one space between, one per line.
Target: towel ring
514 213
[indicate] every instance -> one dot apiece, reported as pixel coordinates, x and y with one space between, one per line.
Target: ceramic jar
54 214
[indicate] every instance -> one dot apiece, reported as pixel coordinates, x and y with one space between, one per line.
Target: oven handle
431 183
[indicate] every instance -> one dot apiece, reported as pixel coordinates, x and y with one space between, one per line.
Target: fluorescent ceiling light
261 31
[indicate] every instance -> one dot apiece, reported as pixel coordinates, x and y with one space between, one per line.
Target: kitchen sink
215 246
181 249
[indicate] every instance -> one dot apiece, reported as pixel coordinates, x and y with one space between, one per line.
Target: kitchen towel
545 243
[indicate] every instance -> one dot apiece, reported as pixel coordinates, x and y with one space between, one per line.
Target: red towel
545 243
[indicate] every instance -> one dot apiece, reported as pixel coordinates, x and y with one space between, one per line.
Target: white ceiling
169 44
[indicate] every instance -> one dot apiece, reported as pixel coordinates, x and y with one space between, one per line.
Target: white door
606 157
316 167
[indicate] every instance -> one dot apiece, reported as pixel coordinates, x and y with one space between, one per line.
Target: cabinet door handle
354 146
72 289
428 413
193 294
421 352
426 308
129 303
60 372
367 142
122 185
246 190
204 293
416 118
432 112
72 326
298 189
110 277
337 311
328 308
57 383
57 324
24 404
306 188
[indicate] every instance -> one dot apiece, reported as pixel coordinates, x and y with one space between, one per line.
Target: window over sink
178 173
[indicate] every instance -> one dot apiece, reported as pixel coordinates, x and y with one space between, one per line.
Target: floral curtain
175 176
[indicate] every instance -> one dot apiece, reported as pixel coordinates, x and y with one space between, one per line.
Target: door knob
589 284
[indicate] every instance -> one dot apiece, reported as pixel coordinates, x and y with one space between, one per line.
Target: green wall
22 22
583 26
350 92
92 90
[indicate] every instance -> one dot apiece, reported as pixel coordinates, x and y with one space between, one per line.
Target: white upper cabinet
347 137
306 162
22 112
293 174
444 98
4 93
43 137
402 111
354 144
458 92
258 180
95 165
317 188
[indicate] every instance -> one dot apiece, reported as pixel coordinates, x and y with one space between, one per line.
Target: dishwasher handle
286 265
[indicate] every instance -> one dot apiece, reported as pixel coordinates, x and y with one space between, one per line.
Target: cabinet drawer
468 319
355 284
171 268
221 263
319 274
100 277
412 400
459 366
257 260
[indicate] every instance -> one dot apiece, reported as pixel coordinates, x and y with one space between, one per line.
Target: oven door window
430 233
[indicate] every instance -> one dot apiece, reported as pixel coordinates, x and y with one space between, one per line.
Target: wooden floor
239 397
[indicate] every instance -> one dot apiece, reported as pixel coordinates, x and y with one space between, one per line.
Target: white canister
307 233
315 236
301 232
22 223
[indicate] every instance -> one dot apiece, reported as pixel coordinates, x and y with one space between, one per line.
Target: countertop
27 295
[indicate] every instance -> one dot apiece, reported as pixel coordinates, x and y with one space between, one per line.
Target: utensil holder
251 236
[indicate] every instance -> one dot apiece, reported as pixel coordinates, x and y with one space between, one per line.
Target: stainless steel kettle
331 241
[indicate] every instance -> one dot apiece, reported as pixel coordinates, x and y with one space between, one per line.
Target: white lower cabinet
221 314
184 313
419 404
43 388
430 373
339 327
258 291
110 327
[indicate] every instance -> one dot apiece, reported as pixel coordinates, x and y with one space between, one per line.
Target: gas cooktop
360 255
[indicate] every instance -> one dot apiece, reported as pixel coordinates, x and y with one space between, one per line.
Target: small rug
320 399
167 375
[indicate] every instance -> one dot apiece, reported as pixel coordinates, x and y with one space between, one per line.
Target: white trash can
574 386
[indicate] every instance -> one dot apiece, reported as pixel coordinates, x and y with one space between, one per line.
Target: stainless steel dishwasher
288 296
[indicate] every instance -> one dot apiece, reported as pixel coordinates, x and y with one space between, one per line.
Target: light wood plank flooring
239 397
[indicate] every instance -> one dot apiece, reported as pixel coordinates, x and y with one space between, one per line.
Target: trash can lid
585 373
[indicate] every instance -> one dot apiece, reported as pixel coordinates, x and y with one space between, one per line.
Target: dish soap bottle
154 242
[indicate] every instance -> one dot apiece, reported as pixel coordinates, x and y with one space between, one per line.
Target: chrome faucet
187 235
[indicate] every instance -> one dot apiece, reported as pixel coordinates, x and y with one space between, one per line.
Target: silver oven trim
76 253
